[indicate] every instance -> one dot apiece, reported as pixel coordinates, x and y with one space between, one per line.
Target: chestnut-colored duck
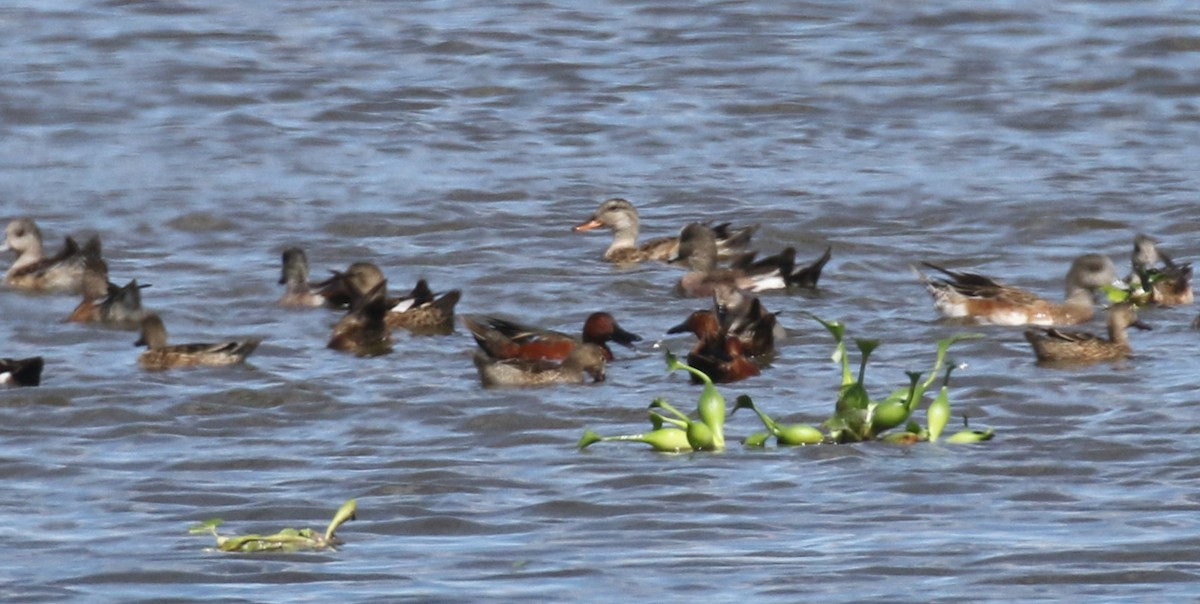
583 361
988 301
716 353
503 339
742 314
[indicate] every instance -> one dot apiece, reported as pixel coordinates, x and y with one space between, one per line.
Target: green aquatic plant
856 417
710 407
286 540
705 434
788 435
937 415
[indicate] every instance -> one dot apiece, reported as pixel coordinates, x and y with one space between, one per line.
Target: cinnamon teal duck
504 339
716 353
583 361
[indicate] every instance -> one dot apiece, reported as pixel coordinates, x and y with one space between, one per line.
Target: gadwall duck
988 301
619 215
159 355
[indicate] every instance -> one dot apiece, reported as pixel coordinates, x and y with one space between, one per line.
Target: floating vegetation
856 417
705 434
286 540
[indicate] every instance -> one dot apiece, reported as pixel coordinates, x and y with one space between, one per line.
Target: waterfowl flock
736 336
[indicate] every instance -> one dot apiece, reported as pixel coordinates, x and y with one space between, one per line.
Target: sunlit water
460 144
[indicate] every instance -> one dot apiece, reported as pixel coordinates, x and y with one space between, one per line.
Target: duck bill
1142 325
625 338
587 226
685 327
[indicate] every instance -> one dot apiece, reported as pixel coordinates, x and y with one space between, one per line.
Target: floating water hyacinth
855 417
286 540
707 434
787 435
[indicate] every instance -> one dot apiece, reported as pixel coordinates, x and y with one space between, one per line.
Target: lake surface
460 143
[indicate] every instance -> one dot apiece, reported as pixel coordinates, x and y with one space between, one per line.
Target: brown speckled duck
159 355
619 215
294 276
364 330
1169 284
1054 345
698 251
421 311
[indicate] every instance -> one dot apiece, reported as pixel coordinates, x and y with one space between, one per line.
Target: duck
32 270
987 301
1167 285
697 249
299 293
1055 345
619 215
742 314
504 339
159 355
583 361
364 330
105 302
21 372
718 354
421 312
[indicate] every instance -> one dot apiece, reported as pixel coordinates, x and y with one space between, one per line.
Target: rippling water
460 144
